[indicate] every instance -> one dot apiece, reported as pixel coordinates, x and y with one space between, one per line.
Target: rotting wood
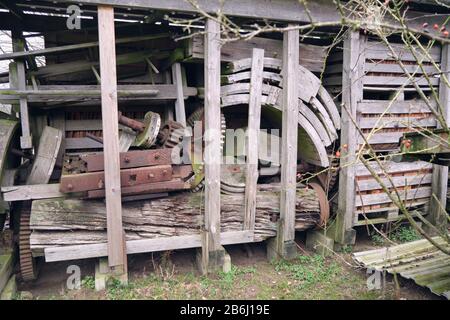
86 223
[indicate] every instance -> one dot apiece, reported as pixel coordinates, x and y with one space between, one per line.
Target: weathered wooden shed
106 115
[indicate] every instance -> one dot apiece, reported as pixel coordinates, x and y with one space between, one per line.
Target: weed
377 239
88 282
404 234
309 270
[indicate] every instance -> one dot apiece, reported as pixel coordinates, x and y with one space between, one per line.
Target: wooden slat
312 59
107 43
53 50
31 192
400 107
398 81
180 112
407 180
142 246
380 198
212 139
379 51
254 120
289 135
396 68
396 122
392 167
384 137
25 138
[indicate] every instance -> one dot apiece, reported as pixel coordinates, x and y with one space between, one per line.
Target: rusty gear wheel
27 262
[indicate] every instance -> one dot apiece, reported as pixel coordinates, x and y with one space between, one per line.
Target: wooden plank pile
384 89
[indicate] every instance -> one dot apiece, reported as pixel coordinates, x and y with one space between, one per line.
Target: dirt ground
174 276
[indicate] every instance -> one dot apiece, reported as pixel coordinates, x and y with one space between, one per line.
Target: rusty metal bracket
128 177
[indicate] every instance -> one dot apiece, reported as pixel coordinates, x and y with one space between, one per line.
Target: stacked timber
319 117
60 222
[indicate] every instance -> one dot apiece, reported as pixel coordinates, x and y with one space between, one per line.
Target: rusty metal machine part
28 270
197 180
171 134
147 138
232 178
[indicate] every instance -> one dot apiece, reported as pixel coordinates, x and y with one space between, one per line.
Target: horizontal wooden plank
31 192
424 202
380 198
142 246
379 51
400 107
398 81
392 167
81 143
396 122
397 68
373 221
92 92
79 46
407 180
312 57
383 137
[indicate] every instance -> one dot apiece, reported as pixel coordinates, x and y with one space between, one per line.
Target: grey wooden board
381 106
312 57
407 180
143 246
81 143
396 68
329 104
380 198
381 138
379 51
53 50
324 118
31 192
397 122
45 159
392 167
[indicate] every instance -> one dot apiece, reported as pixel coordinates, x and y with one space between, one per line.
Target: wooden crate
412 180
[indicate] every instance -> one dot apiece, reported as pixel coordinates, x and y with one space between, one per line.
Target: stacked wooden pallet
388 105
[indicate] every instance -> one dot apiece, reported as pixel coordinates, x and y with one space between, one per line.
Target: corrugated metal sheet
417 260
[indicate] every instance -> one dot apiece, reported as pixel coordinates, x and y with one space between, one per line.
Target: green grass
306 277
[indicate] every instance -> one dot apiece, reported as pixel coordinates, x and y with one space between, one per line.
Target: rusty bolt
151 175
164 172
157 156
126 159
100 184
70 186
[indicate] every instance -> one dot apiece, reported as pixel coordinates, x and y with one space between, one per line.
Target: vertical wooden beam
212 251
254 120
352 93
110 124
19 45
180 111
438 213
284 246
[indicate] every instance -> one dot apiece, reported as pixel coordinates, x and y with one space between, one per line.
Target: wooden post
254 120
116 251
19 45
213 254
438 212
352 93
180 112
284 245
